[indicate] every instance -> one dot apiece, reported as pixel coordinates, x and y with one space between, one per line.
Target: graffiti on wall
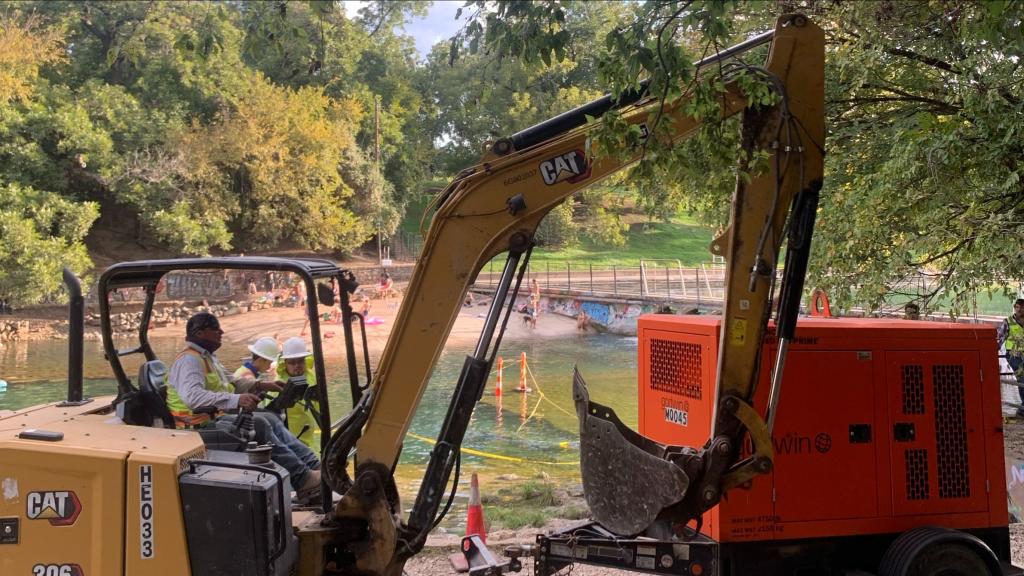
598 312
619 318
188 285
565 307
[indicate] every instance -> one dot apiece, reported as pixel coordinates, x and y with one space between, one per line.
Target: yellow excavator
106 486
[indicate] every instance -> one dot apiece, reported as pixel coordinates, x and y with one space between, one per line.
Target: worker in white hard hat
296 365
254 375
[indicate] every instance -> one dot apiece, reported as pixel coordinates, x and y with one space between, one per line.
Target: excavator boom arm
496 207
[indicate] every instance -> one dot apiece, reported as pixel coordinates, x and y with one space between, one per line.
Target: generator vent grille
675 367
913 389
917 473
951 431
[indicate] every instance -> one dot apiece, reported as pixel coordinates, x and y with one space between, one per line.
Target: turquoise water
521 434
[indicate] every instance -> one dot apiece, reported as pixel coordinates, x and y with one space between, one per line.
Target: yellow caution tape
492 455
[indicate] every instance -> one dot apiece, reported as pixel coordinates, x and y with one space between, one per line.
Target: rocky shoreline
29 329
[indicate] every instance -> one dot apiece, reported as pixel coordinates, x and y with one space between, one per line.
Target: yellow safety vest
183 416
301 422
1015 337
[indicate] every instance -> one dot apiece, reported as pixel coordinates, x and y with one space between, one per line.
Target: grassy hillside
681 238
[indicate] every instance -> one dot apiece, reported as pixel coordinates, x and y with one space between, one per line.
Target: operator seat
151 409
153 392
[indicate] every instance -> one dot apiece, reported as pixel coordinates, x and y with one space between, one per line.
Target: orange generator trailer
884 428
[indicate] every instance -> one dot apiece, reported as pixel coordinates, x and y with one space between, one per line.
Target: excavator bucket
627 480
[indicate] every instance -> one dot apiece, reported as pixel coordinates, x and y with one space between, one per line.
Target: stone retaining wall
121 322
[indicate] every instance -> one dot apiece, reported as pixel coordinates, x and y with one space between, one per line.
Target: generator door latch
904 432
860 433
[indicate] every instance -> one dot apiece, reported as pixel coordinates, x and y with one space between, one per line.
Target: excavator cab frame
131 403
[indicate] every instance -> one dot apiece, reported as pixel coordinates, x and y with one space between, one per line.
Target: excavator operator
198 379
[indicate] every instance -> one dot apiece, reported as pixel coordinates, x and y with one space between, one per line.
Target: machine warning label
517 178
571 167
60 507
645 562
738 332
566 551
146 511
57 570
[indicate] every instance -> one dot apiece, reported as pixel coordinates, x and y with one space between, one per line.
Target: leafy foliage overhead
201 126
924 112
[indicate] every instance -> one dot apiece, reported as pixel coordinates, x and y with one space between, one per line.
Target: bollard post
522 373
501 367
615 280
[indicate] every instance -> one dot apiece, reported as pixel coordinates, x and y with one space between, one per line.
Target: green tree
42 232
485 94
269 167
924 111
365 59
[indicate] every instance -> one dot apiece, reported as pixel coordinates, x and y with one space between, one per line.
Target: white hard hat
265 347
295 347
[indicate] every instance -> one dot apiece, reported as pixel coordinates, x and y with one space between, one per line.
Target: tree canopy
204 126
924 104
199 126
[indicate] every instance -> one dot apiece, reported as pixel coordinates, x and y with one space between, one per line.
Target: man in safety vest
297 363
198 379
265 351
1011 334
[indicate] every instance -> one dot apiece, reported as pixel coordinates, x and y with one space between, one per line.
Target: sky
437 26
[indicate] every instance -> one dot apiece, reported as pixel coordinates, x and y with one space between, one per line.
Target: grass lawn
992 303
681 238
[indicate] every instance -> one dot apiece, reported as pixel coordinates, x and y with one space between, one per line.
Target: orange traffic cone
501 367
475 511
522 373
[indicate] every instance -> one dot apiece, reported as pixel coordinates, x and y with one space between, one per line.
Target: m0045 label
146 511
677 416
